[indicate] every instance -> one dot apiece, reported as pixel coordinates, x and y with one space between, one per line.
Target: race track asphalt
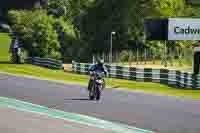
13 121
160 114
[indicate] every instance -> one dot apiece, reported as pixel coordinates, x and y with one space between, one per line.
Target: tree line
76 29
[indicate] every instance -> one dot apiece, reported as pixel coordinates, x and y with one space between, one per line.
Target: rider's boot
89 85
104 84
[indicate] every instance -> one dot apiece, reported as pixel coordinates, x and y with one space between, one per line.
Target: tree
70 48
171 8
100 20
59 8
139 10
36 30
79 28
69 9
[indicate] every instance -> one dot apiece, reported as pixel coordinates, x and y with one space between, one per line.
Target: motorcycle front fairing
99 81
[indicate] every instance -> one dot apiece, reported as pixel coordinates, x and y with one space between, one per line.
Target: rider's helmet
100 62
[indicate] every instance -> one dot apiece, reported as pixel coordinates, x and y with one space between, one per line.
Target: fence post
145 56
154 56
137 54
131 58
103 56
171 56
93 59
164 59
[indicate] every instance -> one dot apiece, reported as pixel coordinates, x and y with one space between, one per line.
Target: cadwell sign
183 29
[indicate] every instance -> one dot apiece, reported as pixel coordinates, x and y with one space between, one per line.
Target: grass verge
4 47
153 88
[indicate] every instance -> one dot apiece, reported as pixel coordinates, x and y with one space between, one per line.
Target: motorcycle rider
99 68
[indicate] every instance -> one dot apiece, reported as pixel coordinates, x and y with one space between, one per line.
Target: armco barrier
46 62
164 76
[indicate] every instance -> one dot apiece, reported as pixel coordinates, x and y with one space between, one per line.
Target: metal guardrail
164 76
46 62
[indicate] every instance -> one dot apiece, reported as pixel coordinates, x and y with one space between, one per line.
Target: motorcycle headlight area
99 81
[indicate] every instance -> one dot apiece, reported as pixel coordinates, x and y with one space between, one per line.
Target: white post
93 60
111 46
103 56
145 56
137 56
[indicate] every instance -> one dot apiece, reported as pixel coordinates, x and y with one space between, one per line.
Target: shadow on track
68 100
78 99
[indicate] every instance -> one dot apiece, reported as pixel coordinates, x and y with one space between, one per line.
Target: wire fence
177 58
146 55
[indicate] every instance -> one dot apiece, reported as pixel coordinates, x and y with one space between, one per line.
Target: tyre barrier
46 62
172 78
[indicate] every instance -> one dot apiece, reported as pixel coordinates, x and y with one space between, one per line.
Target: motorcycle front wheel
92 94
98 93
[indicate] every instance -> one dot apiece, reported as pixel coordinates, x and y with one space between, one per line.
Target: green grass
153 88
40 72
4 47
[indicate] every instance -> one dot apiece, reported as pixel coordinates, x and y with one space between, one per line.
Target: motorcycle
97 85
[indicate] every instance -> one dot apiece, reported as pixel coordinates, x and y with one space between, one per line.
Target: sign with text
183 29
